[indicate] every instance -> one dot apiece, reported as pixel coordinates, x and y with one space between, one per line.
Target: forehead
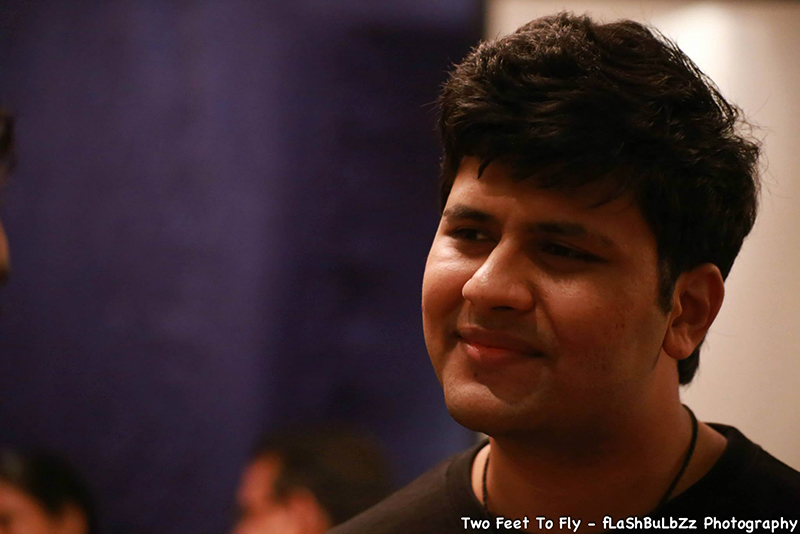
498 198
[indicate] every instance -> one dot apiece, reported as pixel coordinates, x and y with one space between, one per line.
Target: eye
469 234
561 251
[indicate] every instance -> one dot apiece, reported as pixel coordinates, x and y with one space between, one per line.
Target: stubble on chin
474 406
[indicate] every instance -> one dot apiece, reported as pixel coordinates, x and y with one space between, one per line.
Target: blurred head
7 162
40 494
306 482
565 102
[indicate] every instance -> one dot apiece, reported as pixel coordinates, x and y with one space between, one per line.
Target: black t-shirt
746 484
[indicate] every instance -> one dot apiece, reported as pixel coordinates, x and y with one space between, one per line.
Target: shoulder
747 481
766 482
431 503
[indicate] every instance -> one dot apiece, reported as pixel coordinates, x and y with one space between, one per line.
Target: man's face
540 312
261 512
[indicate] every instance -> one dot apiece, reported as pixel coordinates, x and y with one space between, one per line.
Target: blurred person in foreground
596 189
305 482
40 494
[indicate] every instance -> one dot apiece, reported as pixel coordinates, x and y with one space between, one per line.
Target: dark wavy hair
49 481
567 101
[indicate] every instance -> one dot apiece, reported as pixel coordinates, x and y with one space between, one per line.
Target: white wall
750 365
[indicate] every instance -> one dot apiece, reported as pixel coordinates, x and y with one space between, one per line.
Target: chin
475 407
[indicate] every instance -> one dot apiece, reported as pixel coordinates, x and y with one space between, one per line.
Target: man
595 195
306 482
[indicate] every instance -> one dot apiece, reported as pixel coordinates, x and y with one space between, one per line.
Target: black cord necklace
661 502
689 454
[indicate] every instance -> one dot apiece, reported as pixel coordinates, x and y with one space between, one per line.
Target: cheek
443 282
442 298
579 316
601 327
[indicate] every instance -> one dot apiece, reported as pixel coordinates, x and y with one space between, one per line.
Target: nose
502 282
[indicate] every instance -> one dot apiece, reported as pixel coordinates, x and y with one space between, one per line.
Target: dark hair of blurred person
41 494
305 482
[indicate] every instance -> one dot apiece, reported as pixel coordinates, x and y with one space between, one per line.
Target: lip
492 347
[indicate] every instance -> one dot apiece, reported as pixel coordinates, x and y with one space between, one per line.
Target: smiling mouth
493 348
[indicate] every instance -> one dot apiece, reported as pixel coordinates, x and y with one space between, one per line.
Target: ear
696 301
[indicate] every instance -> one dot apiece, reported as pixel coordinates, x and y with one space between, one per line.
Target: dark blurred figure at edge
39 494
7 162
305 482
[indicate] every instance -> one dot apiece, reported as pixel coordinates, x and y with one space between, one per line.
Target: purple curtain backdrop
218 226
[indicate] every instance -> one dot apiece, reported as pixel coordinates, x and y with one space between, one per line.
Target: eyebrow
462 212
560 228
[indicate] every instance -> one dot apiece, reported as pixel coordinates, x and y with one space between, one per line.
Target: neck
623 471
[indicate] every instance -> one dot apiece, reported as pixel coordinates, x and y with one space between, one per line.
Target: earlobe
697 299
